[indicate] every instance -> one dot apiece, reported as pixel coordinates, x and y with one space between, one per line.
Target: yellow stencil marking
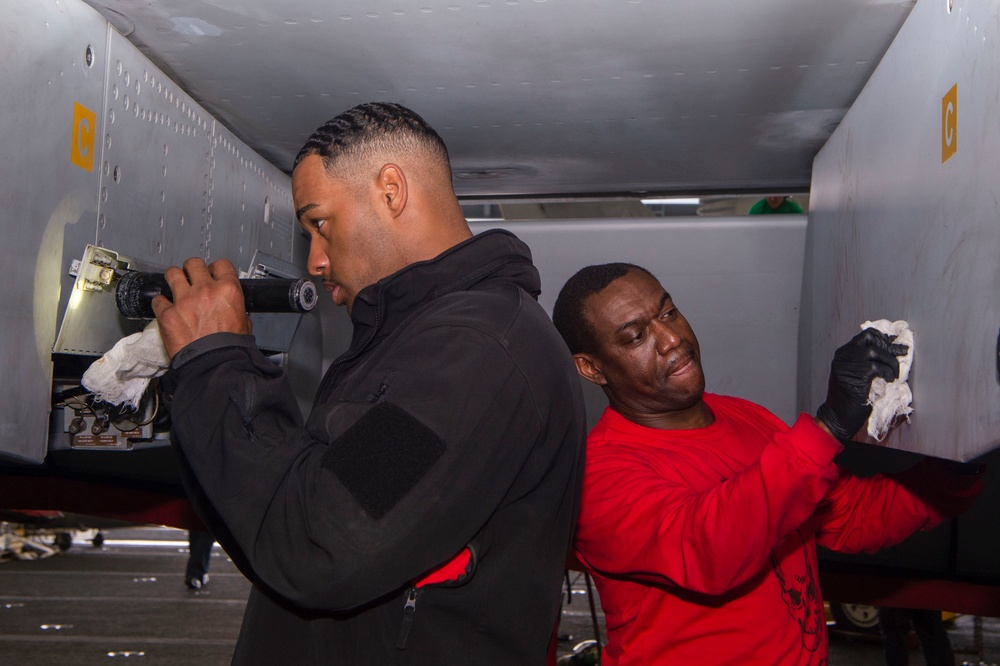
84 130
949 124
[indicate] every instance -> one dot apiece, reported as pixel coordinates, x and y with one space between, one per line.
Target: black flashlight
136 290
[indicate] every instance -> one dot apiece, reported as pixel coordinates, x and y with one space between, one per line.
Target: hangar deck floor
126 601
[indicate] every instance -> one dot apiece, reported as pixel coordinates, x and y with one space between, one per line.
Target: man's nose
666 336
317 261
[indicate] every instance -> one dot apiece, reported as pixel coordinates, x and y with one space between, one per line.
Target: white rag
891 399
121 376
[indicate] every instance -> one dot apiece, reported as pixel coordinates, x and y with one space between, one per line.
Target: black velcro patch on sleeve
382 456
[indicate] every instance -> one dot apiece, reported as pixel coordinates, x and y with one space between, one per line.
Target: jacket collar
494 255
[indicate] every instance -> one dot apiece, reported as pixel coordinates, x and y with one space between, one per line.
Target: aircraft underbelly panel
905 224
51 113
178 184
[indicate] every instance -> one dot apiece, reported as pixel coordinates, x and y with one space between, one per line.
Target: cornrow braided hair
373 129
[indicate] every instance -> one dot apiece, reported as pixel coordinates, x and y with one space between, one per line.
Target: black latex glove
868 355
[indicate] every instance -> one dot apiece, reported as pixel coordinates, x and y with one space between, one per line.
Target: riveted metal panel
250 204
51 116
181 179
155 173
102 149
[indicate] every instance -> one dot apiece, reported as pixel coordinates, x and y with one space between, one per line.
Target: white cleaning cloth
121 376
891 399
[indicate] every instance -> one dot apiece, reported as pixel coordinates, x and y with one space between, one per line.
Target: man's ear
392 187
589 369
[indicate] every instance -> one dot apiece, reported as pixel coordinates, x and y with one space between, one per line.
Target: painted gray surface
737 280
168 182
46 200
538 97
896 233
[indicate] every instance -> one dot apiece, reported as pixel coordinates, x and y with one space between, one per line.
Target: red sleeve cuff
812 443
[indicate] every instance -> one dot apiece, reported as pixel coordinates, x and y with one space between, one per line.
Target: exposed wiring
140 424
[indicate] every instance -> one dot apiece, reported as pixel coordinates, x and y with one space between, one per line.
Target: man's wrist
209 343
823 426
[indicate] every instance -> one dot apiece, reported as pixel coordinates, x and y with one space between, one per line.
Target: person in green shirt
775 206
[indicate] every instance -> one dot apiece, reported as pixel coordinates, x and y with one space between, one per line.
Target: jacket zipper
348 357
408 610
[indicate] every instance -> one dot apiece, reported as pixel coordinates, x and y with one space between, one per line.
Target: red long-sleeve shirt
703 542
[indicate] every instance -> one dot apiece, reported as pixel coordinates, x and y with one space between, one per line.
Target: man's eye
319 224
668 313
637 338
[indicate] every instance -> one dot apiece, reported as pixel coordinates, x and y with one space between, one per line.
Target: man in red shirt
701 513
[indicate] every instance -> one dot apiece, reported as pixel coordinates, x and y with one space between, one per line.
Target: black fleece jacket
454 422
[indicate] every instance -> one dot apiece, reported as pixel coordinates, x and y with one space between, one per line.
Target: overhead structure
538 97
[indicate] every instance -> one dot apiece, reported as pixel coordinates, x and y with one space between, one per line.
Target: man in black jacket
423 512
